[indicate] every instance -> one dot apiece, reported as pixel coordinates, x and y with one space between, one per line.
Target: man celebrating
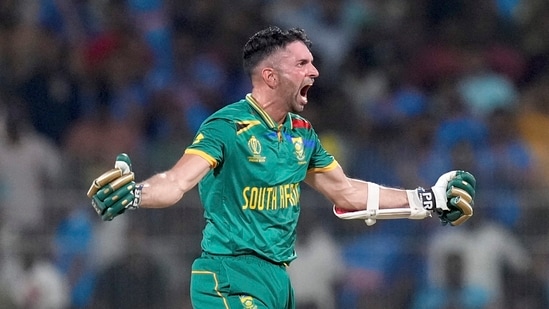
249 159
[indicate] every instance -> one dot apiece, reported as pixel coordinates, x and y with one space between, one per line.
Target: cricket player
249 160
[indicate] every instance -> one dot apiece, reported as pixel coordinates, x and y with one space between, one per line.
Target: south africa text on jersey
271 198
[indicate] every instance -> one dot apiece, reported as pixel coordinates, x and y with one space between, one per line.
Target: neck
272 107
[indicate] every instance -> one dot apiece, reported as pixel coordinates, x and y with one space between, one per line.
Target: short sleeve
212 140
321 159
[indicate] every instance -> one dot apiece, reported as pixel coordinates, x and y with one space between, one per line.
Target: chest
281 154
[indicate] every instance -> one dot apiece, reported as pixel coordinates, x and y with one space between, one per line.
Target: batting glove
115 190
451 197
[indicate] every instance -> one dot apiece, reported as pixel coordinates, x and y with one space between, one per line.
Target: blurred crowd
407 91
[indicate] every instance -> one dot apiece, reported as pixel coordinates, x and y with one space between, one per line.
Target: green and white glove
451 197
115 190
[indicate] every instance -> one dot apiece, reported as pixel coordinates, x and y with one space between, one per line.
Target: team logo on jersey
247 302
255 148
299 149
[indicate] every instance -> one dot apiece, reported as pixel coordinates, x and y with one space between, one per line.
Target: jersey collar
268 119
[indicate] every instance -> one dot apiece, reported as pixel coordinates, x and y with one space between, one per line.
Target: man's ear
270 77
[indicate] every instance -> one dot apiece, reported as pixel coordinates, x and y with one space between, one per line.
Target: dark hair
265 42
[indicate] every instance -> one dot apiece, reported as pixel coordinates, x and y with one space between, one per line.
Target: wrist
427 198
137 194
420 204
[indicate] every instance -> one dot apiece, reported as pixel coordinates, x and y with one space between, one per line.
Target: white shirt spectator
485 248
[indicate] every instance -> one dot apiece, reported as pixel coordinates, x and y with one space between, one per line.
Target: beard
293 97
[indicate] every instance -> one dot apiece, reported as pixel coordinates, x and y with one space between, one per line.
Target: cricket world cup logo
255 148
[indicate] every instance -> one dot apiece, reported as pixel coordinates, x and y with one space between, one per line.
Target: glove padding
115 190
454 193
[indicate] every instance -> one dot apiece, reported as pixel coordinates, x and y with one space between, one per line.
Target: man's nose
314 71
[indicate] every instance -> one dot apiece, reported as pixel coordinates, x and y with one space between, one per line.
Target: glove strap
137 198
419 203
427 199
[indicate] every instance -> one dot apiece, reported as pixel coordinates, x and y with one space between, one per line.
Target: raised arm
167 188
115 190
451 198
352 194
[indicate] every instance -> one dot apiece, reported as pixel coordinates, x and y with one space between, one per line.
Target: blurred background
407 91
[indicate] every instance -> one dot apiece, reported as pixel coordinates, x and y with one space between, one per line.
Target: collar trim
270 122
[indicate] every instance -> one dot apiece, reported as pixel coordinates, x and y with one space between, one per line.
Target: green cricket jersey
251 195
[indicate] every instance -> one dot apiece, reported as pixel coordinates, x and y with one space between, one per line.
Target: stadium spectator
72 255
136 280
34 281
454 292
483 90
332 24
30 164
533 125
487 250
314 274
507 169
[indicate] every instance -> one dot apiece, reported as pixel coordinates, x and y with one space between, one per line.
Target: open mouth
303 92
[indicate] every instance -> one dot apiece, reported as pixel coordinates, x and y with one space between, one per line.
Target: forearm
383 203
358 194
392 198
167 188
115 191
161 190
353 194
451 198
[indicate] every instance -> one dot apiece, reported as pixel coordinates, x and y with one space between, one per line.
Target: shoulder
233 111
226 117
